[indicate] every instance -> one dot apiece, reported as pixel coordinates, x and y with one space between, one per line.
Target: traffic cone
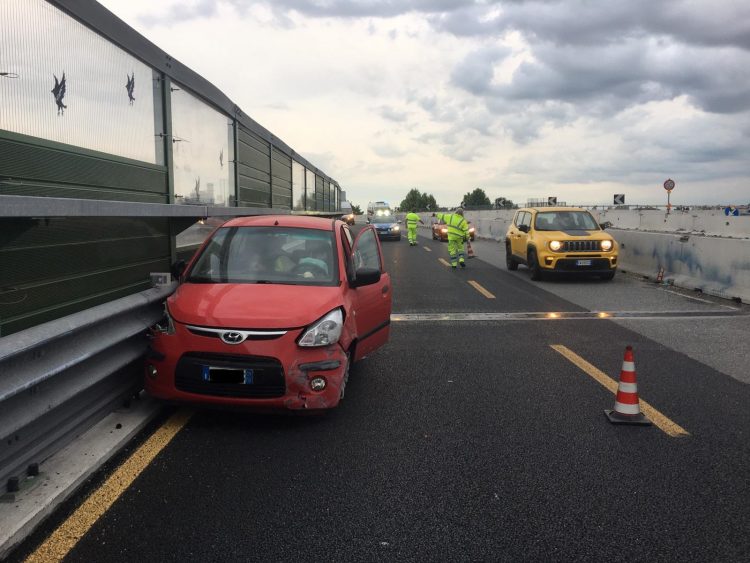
627 409
469 250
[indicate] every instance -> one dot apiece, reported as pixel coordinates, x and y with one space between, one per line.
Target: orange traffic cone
469 250
627 409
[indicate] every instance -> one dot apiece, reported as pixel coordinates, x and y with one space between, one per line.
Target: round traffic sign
669 185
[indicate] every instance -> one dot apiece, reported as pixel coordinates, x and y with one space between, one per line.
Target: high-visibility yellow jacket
412 219
458 228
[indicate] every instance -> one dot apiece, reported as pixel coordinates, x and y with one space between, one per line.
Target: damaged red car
271 313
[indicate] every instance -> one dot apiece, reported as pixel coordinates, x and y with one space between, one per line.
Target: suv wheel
534 268
510 262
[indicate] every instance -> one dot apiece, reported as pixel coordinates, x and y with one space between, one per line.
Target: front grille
268 376
571 265
581 246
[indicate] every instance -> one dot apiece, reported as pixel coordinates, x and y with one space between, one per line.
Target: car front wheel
534 268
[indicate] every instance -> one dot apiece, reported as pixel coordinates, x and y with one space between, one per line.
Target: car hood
252 305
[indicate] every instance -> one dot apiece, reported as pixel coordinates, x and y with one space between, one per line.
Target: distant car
386 225
440 231
560 240
270 314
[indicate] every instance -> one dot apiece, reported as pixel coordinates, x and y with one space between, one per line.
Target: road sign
731 210
619 199
669 185
552 200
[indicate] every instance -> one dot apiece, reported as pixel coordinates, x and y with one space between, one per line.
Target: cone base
635 419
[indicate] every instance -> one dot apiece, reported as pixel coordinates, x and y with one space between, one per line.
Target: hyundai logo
232 337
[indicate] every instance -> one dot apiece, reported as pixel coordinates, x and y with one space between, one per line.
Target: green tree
356 209
418 201
476 198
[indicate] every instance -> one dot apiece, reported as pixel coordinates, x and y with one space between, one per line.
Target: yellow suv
560 239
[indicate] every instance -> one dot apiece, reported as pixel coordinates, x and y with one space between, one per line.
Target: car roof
545 208
296 221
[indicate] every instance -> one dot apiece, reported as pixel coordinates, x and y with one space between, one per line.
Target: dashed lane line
481 290
444 262
427 248
63 539
666 425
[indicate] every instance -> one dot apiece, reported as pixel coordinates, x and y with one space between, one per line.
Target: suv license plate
583 262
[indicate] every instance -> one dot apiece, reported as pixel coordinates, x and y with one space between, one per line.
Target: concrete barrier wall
701 250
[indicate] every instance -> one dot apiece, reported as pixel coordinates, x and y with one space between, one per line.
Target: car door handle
385 289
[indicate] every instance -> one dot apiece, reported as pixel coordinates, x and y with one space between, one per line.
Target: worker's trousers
456 250
412 233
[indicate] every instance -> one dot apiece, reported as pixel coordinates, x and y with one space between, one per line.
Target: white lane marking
699 299
558 316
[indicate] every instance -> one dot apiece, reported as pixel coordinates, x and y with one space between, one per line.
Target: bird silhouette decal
59 93
198 188
221 158
130 87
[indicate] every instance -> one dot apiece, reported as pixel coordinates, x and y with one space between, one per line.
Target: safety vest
412 219
457 225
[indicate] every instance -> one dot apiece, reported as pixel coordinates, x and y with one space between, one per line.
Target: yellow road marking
64 538
481 290
665 424
427 248
444 262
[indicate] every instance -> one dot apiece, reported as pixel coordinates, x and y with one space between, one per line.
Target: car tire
510 262
608 276
534 268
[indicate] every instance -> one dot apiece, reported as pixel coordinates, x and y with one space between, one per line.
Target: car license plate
583 262
227 375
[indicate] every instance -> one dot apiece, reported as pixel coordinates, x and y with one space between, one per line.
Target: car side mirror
365 276
177 269
605 225
523 228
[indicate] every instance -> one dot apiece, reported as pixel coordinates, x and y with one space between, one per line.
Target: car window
524 218
565 220
267 255
366 253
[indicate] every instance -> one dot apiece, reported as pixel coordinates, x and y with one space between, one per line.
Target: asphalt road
464 440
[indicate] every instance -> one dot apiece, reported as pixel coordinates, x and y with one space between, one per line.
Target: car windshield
383 219
267 255
565 221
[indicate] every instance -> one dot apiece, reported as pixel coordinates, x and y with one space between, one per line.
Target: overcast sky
577 99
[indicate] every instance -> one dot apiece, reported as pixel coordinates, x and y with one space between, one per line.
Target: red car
270 314
440 231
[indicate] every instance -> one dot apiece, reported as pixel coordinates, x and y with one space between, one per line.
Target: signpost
731 211
669 186
552 200
619 199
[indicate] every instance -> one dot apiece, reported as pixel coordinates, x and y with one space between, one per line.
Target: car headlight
323 332
555 245
606 245
166 324
396 227
443 230
471 230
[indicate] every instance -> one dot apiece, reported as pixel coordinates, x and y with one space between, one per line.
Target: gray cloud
392 114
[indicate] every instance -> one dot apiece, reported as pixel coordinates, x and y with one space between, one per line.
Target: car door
518 238
372 303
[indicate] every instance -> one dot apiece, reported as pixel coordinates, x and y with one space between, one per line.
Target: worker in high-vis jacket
411 227
458 234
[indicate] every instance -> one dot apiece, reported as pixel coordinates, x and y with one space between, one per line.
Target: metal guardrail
59 378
